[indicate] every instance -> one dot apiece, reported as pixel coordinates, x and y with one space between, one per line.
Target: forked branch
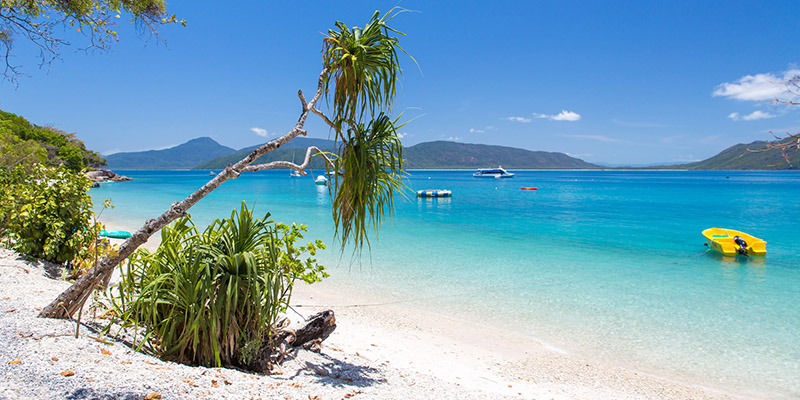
71 300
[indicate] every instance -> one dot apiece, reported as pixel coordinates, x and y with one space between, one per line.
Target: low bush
46 212
213 298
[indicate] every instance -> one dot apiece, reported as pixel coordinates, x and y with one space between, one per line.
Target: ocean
607 265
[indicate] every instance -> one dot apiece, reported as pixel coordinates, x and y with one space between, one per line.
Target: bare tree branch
71 300
287 164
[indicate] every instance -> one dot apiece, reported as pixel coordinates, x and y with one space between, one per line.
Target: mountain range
205 153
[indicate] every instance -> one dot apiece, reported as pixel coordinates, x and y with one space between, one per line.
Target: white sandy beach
386 352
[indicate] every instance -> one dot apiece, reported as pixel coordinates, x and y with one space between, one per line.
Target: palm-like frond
363 67
371 167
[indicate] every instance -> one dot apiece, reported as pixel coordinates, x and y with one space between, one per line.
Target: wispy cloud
758 87
637 124
599 138
453 138
402 135
670 139
260 131
518 119
489 128
564 115
755 115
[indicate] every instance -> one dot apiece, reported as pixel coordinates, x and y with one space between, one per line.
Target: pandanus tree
359 75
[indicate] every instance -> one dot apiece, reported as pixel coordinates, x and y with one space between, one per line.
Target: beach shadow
51 270
337 373
92 394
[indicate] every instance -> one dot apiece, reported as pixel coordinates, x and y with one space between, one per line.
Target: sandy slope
386 352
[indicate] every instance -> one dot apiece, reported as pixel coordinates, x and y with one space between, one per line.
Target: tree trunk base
310 336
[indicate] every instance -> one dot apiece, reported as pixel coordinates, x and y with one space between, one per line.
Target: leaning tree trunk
71 300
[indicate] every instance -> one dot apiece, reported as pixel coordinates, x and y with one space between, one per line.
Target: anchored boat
434 193
498 172
732 242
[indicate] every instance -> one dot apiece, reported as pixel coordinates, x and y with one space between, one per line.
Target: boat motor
742 245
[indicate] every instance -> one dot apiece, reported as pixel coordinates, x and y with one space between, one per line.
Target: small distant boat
732 242
434 193
295 174
211 173
528 188
498 172
115 234
321 180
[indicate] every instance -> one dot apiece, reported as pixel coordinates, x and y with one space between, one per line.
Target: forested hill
743 157
186 155
442 154
23 143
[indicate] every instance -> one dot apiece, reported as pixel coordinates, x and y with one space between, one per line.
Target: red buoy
529 188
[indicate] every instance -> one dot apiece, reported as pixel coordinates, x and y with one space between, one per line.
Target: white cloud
599 138
491 128
758 87
518 119
260 131
473 130
755 115
454 138
402 135
564 115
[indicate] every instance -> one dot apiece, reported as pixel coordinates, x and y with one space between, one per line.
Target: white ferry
498 172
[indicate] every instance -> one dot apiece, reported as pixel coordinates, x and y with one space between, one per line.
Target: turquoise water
608 265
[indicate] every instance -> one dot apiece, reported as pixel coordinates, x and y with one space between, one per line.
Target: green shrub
213 298
47 213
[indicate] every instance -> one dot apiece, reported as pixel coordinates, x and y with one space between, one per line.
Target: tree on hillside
358 78
38 20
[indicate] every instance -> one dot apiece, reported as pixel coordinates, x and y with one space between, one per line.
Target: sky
616 82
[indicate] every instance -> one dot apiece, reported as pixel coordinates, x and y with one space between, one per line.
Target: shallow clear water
609 265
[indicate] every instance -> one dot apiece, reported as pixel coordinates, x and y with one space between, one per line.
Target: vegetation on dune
23 143
213 298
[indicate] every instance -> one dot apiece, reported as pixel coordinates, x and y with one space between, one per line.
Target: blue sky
617 82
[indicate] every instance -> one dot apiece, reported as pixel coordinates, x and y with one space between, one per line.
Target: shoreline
386 352
467 353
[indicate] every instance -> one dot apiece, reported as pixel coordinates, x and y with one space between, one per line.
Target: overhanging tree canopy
38 20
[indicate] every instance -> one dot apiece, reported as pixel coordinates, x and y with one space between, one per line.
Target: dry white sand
386 352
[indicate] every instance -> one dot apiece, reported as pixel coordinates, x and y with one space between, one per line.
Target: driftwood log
275 349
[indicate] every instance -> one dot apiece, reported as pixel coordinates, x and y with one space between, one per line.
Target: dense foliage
46 212
213 298
22 142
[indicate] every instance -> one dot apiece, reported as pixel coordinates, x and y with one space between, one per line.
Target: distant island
206 153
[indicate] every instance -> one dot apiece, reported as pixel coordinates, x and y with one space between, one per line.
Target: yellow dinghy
732 242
